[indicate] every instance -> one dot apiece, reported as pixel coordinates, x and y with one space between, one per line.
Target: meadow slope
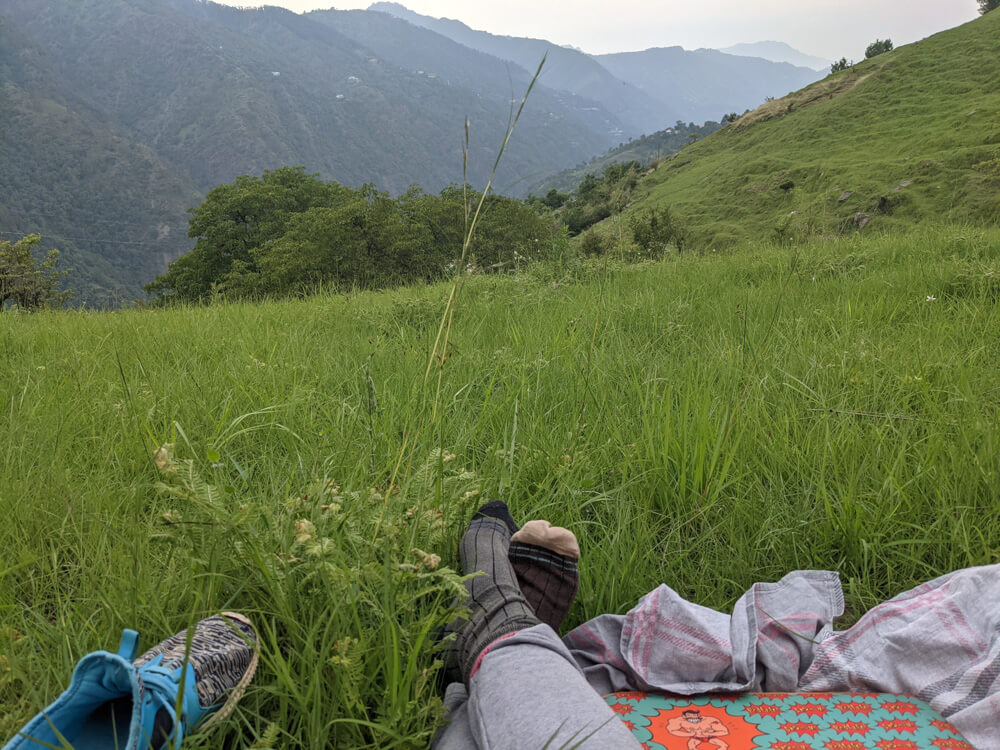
907 137
703 421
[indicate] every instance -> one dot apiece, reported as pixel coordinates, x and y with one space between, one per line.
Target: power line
64 217
46 235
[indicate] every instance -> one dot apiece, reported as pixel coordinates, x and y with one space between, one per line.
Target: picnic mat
785 721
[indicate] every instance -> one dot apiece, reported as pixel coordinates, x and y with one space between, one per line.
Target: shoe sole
241 686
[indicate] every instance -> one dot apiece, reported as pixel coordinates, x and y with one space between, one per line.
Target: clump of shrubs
656 230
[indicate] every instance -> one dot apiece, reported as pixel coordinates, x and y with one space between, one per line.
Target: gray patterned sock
496 605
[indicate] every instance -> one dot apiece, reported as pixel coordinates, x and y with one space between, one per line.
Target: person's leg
528 694
524 689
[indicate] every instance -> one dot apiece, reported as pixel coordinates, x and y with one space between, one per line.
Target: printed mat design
785 721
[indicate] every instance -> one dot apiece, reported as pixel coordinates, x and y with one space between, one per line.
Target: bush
841 64
878 47
592 244
26 282
985 6
656 229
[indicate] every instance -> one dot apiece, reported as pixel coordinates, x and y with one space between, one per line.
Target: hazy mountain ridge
649 89
566 68
705 83
778 52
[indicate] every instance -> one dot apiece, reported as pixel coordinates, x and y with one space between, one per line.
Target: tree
236 219
554 199
26 282
841 64
878 47
730 118
985 6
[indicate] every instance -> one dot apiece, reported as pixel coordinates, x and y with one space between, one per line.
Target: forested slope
188 95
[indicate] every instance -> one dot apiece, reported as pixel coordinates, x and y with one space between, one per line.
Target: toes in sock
544 559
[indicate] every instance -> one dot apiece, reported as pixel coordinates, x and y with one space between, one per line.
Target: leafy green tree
841 64
878 47
25 281
236 219
985 6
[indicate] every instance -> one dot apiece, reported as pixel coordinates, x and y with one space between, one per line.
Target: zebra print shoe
223 655
118 701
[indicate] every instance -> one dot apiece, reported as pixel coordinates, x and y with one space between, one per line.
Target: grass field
907 137
706 422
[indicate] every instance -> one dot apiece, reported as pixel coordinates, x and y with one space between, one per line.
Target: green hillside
908 137
705 422
645 150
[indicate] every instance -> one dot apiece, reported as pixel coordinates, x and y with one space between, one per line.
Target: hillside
907 137
645 150
113 207
137 107
648 90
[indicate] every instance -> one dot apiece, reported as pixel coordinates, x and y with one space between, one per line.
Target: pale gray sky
828 28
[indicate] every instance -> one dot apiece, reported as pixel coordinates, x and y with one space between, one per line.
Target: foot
545 558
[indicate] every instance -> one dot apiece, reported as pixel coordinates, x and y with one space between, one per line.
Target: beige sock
544 534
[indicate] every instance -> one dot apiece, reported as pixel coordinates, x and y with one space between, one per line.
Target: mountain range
119 115
778 52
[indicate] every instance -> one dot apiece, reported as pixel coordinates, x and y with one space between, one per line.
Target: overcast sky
827 28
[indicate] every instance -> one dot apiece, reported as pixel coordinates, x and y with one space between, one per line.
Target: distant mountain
646 149
431 55
705 84
778 52
113 207
121 113
648 90
565 68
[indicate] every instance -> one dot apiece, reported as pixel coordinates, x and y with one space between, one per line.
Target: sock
495 602
544 558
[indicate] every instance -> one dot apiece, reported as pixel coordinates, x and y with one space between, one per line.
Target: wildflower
448 457
171 516
341 650
428 560
304 531
931 298
164 459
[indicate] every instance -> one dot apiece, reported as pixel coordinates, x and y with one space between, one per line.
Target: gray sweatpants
529 694
939 641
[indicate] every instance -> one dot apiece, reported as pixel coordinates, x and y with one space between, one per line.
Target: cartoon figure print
699 729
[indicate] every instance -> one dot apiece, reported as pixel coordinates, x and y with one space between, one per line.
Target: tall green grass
706 422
